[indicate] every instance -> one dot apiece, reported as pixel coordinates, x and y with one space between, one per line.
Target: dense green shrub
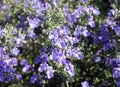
59 43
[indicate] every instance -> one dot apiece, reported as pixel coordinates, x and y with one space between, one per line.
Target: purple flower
114 63
95 39
104 34
76 13
15 51
97 59
14 62
103 28
8 18
117 30
44 57
71 18
58 56
77 53
11 61
10 78
1 31
77 31
64 30
116 72
53 35
73 40
18 41
22 18
115 68
5 7
66 11
69 52
6 56
107 45
69 68
85 84
96 11
9 68
61 44
20 25
118 82
37 60
43 67
108 61
91 22
23 62
26 68
34 22
111 12
54 55
50 72
82 10
22 36
45 6
12 40
33 78
83 1
26 4
40 7
18 76
8 61
40 83
2 78
31 34
85 32
1 51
